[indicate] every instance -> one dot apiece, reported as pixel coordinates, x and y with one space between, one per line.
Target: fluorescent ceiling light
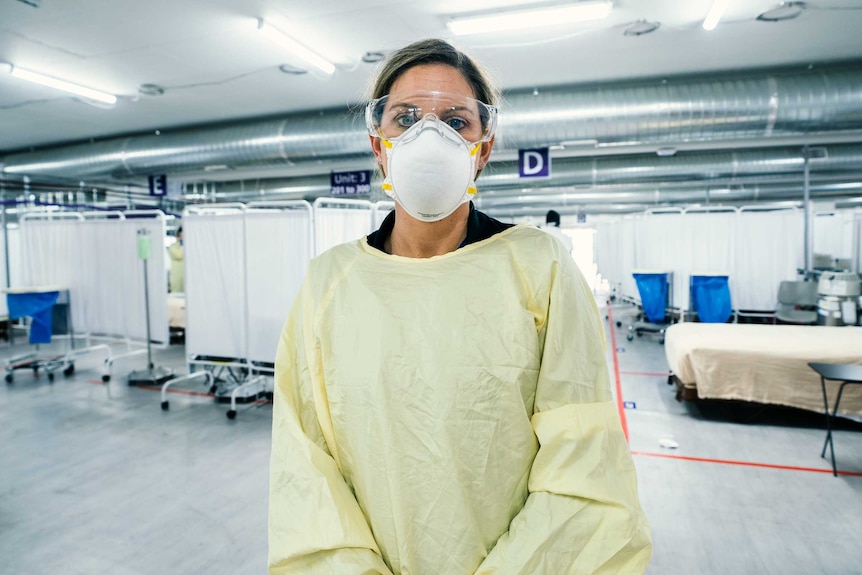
57 84
309 57
579 12
714 15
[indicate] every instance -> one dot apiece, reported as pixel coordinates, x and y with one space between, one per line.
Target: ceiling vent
784 11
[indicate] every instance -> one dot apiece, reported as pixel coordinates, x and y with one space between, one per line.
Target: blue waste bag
711 296
38 306
653 291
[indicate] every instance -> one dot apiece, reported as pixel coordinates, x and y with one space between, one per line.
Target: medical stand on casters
153 375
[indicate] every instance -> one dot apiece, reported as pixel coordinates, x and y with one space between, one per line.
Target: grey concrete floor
96 479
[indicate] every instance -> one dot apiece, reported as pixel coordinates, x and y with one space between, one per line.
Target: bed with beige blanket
762 363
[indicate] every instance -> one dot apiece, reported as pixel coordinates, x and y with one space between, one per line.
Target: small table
846 374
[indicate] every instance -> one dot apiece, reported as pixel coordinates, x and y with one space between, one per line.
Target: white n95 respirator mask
430 170
432 142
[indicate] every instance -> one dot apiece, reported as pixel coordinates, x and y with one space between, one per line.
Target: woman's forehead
432 77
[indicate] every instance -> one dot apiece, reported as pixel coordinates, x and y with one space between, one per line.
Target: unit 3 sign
350 183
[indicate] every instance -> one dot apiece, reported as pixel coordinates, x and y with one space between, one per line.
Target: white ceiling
215 67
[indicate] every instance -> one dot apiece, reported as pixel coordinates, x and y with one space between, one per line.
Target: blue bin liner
653 291
711 296
38 306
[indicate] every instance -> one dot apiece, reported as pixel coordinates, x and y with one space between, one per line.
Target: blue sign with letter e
158 185
534 163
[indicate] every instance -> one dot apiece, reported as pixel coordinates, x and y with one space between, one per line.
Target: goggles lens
393 114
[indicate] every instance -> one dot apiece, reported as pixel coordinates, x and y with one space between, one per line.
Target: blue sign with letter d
534 163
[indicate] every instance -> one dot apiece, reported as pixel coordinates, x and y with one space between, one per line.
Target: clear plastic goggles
392 115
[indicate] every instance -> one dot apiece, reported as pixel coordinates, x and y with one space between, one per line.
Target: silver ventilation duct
743 108
659 196
700 170
705 166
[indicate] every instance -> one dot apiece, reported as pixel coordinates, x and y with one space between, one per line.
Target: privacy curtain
96 259
756 249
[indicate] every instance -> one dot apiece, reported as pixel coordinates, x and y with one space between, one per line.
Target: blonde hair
434 51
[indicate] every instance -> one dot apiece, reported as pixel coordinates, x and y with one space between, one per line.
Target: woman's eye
456 123
405 120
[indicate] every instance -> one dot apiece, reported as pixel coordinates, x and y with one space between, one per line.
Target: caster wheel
629 337
35 371
661 341
10 378
640 334
106 378
165 405
619 324
51 376
231 414
69 370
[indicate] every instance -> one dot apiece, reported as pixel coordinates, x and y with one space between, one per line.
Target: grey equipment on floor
838 300
796 302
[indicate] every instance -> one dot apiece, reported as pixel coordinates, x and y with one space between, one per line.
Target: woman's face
434 78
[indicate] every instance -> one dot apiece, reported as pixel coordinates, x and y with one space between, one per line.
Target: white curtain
278 247
757 250
52 255
615 252
97 261
339 225
833 234
769 250
214 258
14 264
662 246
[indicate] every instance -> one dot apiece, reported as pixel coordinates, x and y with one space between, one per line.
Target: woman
442 401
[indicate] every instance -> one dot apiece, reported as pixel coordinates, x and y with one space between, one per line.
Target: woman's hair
434 51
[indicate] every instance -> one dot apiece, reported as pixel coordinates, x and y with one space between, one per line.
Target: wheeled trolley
49 310
656 293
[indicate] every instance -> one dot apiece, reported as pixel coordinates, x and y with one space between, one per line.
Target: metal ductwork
745 169
652 197
743 165
742 108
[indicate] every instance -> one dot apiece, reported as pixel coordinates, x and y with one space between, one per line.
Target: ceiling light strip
714 15
305 54
63 85
580 12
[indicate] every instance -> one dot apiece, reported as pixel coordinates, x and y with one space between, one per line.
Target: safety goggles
392 115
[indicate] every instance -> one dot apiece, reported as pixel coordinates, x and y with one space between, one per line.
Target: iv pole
153 375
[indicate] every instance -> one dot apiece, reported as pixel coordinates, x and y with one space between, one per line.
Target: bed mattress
764 363
177 311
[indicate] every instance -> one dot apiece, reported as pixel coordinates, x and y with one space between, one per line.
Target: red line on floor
745 463
646 373
180 391
619 387
172 390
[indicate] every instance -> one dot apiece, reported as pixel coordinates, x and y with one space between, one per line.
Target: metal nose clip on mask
430 169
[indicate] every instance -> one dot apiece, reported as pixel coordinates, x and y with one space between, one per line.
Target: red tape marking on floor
180 391
646 373
619 386
745 463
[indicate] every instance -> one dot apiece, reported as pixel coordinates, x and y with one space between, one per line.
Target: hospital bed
177 316
760 363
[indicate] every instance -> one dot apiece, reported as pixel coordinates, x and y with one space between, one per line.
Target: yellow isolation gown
449 415
177 275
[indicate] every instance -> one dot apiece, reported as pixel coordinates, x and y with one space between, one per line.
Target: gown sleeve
582 514
316 526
